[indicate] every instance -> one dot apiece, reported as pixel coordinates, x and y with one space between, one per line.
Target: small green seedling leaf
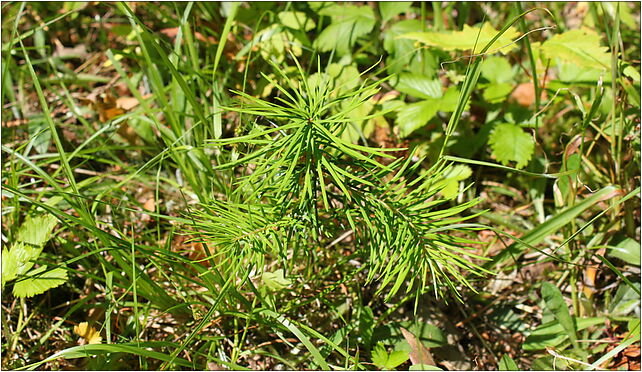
383 360
506 363
556 304
510 143
275 281
39 281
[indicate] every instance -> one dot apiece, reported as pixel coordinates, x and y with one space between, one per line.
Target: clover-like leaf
382 359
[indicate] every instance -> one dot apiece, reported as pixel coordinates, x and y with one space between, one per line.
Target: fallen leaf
524 94
419 354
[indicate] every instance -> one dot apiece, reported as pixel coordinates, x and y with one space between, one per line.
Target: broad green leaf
383 360
404 55
467 39
366 325
389 9
628 250
496 93
296 20
570 72
579 47
419 86
391 334
9 264
415 115
506 363
450 100
346 78
275 281
556 304
451 180
497 70
273 43
552 334
37 230
634 326
509 143
18 260
39 281
626 299
349 22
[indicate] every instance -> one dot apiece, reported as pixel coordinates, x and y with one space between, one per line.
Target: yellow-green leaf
275 281
467 39
580 47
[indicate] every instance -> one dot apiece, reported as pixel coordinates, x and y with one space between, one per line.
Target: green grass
256 148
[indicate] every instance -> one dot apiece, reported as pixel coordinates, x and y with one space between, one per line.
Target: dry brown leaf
419 354
126 103
524 94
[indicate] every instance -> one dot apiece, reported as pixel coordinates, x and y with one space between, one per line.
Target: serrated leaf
389 9
580 47
388 361
296 20
36 230
275 281
510 143
349 22
9 266
556 304
466 38
39 281
18 260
